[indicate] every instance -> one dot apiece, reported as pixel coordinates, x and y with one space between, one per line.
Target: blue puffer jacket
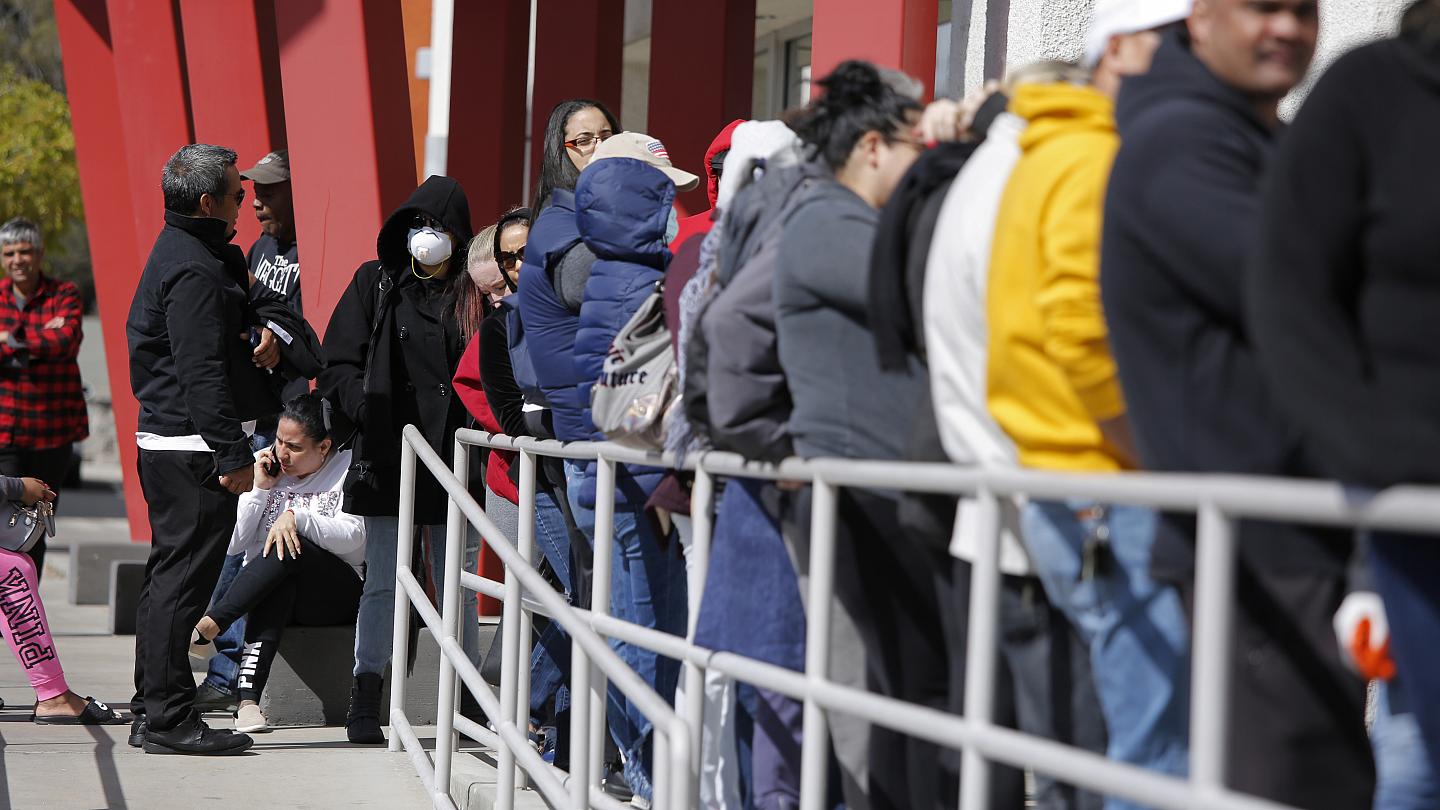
621 209
549 326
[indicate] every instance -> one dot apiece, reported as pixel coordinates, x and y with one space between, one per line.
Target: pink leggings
23 617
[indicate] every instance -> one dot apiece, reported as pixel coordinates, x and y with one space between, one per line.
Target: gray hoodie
845 405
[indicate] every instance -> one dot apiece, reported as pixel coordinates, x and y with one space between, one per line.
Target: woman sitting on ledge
304 556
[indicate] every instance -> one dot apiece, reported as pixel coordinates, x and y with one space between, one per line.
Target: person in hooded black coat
392 348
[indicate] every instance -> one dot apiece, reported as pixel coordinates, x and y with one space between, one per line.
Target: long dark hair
556 170
858 98
518 215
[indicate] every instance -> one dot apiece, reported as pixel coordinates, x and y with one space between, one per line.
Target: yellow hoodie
1051 376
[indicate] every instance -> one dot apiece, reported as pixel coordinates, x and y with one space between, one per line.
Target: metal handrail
1217 500
673 744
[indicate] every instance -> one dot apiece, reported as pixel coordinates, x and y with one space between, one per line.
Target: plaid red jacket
41 402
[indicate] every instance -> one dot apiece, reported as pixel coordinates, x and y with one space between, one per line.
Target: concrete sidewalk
60 768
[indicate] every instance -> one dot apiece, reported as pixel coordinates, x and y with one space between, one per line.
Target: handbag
21 526
637 384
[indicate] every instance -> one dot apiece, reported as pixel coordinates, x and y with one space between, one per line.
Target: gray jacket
844 403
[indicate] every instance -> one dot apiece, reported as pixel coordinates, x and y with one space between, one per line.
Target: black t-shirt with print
277 267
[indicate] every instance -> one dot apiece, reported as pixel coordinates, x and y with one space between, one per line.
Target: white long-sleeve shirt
957 273
315 500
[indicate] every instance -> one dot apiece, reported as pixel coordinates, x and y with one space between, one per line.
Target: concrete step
473 778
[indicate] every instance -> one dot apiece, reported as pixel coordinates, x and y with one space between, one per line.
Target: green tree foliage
38 175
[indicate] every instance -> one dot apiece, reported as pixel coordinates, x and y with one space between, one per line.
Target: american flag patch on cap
658 150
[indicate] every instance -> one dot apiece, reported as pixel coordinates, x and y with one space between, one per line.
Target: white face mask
429 246
672 226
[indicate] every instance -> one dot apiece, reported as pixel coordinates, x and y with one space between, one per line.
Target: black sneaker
209 698
194 738
137 731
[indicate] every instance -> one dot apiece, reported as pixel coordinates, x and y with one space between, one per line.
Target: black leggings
315 589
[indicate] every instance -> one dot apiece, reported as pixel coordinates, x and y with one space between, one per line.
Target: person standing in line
1046 659
1181 223
861 133
392 348
42 401
1341 305
275 270
1053 387
624 211
191 369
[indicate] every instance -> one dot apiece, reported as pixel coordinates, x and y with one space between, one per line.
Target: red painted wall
688 107
578 54
110 220
347 115
233 68
893 33
487 105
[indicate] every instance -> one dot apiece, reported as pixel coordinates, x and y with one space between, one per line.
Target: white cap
1119 17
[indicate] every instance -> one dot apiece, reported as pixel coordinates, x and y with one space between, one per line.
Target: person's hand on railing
1363 632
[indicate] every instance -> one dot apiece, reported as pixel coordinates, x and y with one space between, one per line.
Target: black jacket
391 349
1181 221
187 331
1345 295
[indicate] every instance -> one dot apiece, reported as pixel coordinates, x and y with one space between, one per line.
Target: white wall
1055 29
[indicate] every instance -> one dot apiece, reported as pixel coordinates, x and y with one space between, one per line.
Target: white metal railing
1218 501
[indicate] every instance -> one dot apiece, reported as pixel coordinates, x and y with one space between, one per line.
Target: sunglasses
510 260
426 221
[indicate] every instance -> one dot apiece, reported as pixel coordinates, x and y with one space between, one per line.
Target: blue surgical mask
672 226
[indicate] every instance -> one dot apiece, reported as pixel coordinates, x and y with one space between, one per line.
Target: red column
109 210
347 115
487 105
578 54
235 97
892 33
702 61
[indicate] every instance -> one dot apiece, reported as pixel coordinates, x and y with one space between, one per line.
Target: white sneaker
250 720
640 801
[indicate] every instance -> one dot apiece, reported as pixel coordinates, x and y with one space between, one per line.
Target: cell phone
272 466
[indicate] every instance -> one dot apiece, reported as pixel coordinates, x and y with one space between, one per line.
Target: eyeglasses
510 260
585 142
238 197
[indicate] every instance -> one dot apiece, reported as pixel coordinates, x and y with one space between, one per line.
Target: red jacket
42 403
470 391
700 224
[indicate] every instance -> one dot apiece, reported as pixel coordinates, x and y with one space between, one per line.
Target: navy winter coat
621 209
549 326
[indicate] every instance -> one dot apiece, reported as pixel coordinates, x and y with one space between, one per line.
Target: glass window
797 71
760 91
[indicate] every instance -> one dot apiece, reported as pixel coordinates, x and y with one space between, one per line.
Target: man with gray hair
191 370
42 403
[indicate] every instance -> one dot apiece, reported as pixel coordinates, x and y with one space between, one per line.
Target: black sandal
95 714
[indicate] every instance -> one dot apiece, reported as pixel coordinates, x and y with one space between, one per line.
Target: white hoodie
957 273
316 501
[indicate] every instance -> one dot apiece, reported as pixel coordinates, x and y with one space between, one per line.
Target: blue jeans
1407 575
1135 628
1404 779
374 627
550 660
229 645
647 588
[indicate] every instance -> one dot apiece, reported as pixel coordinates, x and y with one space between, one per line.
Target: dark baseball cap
273 168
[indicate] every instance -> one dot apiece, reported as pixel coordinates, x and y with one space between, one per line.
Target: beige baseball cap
642 147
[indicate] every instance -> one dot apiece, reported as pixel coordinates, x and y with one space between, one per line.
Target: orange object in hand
1372 662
